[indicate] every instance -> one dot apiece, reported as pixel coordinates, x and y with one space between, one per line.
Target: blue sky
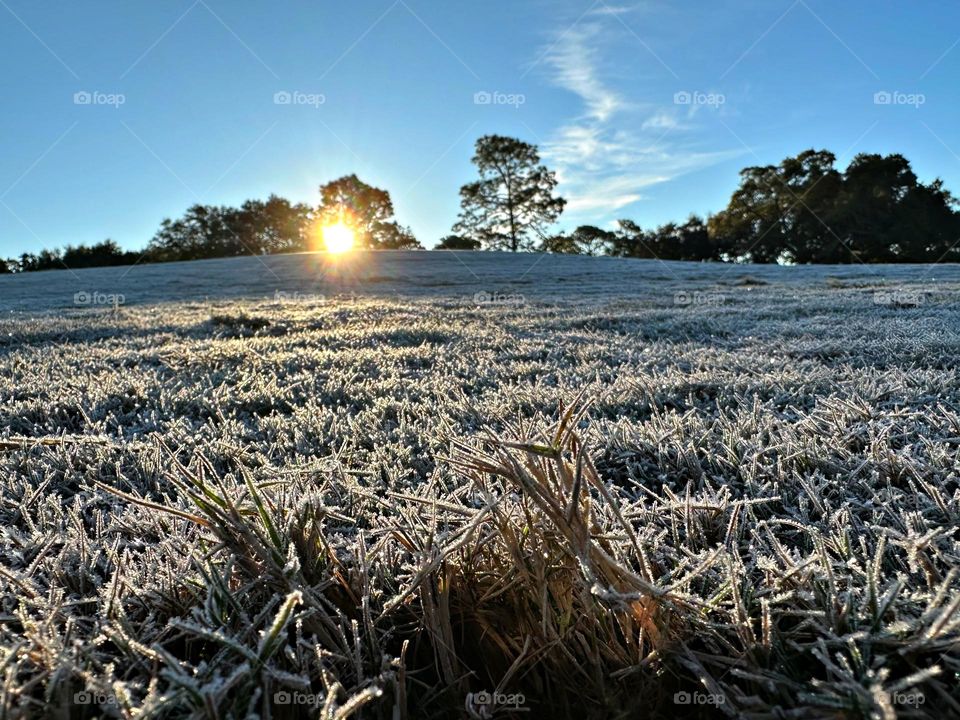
646 109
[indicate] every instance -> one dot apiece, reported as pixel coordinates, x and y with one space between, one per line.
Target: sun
337 238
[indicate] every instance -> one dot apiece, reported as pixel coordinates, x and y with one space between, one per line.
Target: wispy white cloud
620 181
606 10
661 120
574 61
616 148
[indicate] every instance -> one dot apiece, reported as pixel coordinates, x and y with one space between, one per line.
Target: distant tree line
73 256
257 227
802 211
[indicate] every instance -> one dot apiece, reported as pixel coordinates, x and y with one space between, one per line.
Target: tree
394 236
367 210
805 211
274 226
102 254
559 244
255 228
27 262
591 240
585 240
753 223
513 200
205 231
628 241
813 189
928 230
785 212
44 260
690 241
458 242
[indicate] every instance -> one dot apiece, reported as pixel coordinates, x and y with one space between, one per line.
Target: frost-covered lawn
681 493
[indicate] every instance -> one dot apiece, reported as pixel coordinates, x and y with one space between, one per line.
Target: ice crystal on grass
420 508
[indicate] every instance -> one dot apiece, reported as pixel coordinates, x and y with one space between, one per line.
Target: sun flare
337 238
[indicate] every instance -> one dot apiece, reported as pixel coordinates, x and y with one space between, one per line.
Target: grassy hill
709 494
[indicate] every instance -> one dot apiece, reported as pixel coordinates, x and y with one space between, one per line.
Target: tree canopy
255 228
585 240
806 211
512 203
458 242
367 210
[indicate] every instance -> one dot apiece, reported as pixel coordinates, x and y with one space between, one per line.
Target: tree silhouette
458 242
273 226
628 241
690 241
585 240
512 203
102 254
204 231
367 210
786 212
805 211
